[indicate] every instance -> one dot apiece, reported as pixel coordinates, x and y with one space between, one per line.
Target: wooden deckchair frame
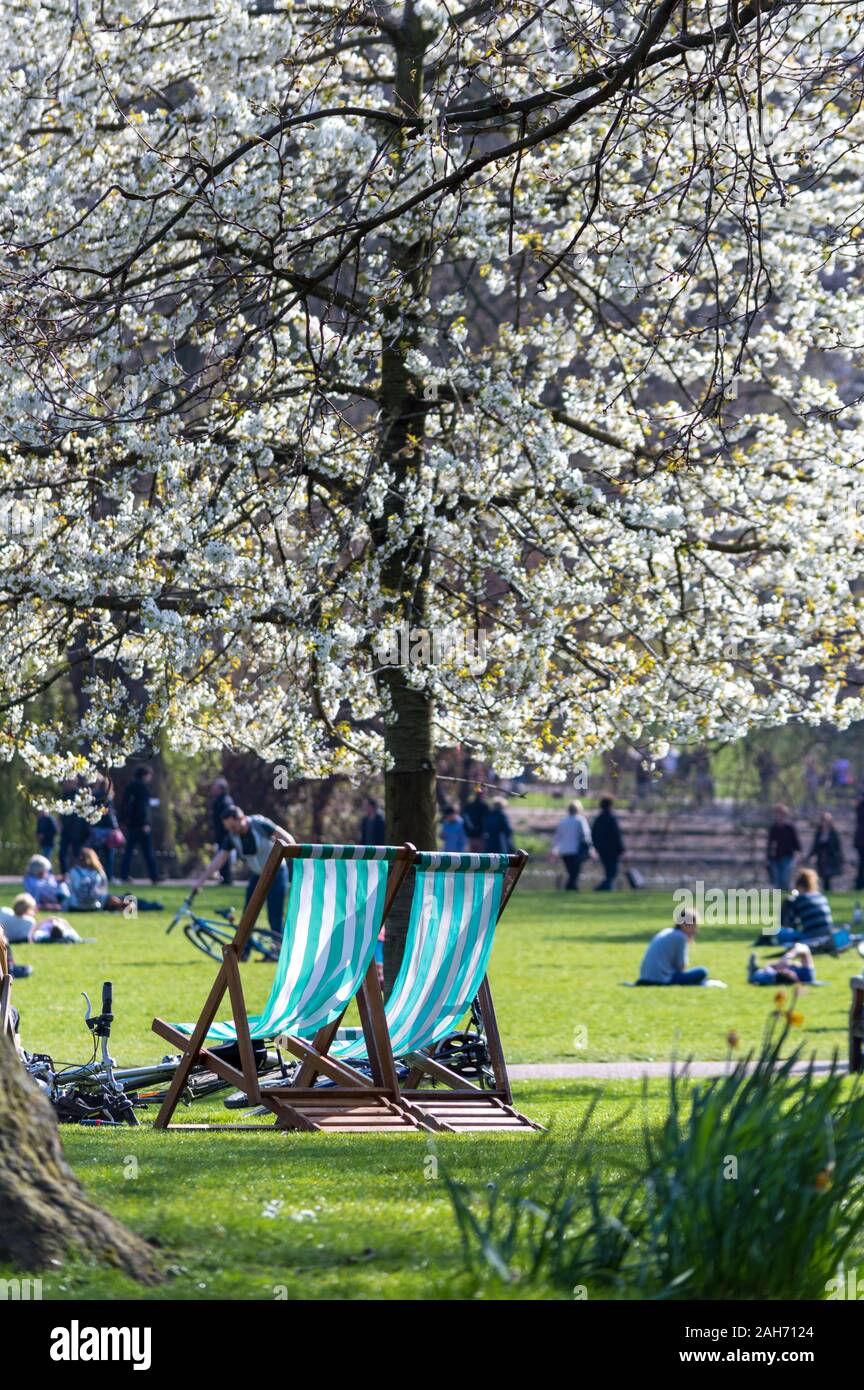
501 1098
314 1059
6 1005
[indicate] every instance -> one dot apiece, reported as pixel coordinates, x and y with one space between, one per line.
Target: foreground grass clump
752 1188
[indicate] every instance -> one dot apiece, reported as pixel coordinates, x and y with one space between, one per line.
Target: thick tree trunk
322 795
44 1213
410 794
410 777
409 788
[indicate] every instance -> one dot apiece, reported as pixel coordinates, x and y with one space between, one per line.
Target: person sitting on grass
9 967
19 920
88 888
49 892
665 961
795 967
807 912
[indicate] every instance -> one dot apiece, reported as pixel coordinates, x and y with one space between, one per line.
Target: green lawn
558 969
264 1216
561 960
339 1216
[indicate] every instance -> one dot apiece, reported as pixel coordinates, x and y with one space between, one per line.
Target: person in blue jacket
497 830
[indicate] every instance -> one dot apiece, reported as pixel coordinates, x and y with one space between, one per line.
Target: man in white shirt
665 961
572 843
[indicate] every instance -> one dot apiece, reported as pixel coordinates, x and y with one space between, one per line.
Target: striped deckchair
339 897
457 901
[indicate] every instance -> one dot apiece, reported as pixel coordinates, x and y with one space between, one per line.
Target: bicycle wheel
266 944
206 937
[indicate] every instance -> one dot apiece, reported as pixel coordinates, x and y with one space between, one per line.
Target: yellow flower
780 998
823 1179
795 1017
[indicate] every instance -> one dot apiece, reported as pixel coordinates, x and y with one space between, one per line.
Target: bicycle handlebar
185 906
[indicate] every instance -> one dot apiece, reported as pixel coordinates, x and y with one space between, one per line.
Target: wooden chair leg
370 1003
192 1048
307 1075
493 1040
241 1023
855 1040
6 1005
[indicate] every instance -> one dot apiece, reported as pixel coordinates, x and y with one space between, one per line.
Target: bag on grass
635 878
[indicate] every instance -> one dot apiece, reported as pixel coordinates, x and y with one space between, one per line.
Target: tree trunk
410 795
322 795
410 779
44 1213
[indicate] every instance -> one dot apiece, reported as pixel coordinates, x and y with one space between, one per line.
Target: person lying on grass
795 967
665 961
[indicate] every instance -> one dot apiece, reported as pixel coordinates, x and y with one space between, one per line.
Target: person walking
609 843
497 830
453 837
474 815
73 828
766 770
221 802
572 843
104 836
783 848
858 843
812 782
373 828
46 834
135 816
251 838
827 851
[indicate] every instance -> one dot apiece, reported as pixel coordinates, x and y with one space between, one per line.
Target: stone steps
723 849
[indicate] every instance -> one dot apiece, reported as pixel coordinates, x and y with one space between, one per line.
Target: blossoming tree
536 320
317 321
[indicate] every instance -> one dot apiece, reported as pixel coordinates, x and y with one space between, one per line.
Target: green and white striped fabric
457 898
332 921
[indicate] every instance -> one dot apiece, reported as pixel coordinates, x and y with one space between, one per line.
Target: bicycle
467 1053
210 936
98 1092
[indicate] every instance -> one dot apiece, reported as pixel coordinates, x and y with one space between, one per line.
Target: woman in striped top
809 911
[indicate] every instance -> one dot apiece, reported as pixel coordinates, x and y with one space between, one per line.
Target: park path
624 1071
